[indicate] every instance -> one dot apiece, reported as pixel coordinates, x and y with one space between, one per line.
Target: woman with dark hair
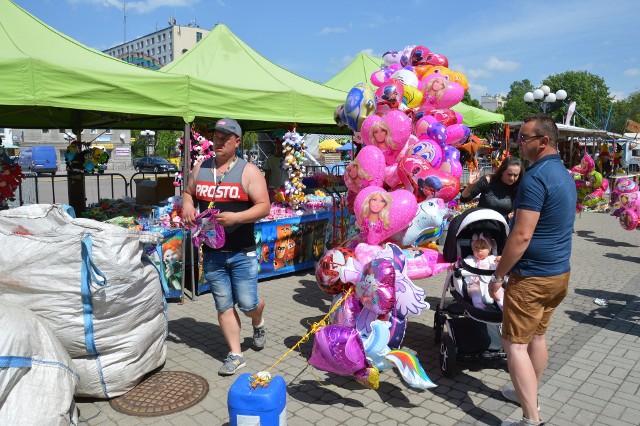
497 191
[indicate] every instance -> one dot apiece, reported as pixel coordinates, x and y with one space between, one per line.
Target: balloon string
264 379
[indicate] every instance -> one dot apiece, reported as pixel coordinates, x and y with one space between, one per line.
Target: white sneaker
510 394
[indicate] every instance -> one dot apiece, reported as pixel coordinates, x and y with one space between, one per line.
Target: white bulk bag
96 288
37 380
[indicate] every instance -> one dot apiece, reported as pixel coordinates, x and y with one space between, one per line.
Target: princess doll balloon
375 212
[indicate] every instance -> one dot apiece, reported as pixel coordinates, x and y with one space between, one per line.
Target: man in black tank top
238 189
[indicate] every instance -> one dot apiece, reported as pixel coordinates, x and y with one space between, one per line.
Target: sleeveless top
230 197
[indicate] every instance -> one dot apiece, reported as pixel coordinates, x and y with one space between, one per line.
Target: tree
466 99
166 145
515 108
626 109
589 91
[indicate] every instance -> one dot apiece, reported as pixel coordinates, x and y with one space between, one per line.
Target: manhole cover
163 393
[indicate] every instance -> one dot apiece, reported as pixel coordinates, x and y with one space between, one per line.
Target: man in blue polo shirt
536 256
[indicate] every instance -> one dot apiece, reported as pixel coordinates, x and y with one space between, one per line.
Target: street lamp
544 96
150 137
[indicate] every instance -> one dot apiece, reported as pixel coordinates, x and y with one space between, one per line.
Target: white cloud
478 73
499 65
632 72
330 30
141 7
477 90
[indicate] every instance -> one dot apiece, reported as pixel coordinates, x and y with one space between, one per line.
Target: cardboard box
153 192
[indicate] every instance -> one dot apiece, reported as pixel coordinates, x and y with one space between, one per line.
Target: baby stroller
471 333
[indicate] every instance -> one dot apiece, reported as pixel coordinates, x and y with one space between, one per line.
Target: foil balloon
368 377
366 169
405 55
457 134
360 103
389 96
445 116
436 59
412 97
329 268
365 253
391 177
451 161
440 92
422 124
427 225
437 132
376 289
408 78
389 133
424 263
628 219
418 56
461 79
396 331
381 214
347 312
428 149
426 181
376 344
381 76
410 369
339 117
338 349
392 57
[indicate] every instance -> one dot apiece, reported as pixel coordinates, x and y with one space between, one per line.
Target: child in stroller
482 258
464 329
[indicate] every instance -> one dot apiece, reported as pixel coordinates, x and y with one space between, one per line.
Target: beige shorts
529 303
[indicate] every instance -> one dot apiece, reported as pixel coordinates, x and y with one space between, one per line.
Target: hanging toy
293 150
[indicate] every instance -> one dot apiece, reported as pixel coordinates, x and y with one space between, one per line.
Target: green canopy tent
49 80
361 68
236 81
358 71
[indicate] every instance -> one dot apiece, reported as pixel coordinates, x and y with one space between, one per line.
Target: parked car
154 164
44 159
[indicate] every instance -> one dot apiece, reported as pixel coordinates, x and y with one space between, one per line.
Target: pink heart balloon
381 214
440 93
391 177
389 133
377 287
427 182
338 349
365 253
380 77
457 134
365 170
424 262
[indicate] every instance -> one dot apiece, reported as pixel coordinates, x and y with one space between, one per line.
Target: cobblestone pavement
593 376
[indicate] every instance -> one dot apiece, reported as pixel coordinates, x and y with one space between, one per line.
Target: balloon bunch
589 183
201 149
10 178
409 120
625 199
293 150
367 327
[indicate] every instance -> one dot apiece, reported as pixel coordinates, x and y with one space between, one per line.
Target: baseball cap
228 125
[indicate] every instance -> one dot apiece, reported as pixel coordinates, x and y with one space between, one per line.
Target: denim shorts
234 279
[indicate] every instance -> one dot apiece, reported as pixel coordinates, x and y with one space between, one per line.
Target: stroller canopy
474 221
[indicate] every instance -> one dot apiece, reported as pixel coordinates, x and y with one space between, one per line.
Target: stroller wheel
438 323
448 356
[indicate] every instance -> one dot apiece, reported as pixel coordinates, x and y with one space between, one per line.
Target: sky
493 42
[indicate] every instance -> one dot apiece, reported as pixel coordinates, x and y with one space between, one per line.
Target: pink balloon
427 182
347 312
376 289
457 134
441 93
338 349
628 219
428 149
451 161
366 169
424 262
380 77
418 56
422 125
437 132
459 118
381 214
444 116
389 133
436 59
391 177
